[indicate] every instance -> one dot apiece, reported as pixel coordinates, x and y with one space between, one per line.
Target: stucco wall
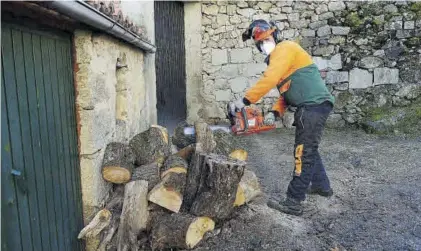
111 103
368 52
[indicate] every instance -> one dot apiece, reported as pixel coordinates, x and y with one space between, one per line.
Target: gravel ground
376 205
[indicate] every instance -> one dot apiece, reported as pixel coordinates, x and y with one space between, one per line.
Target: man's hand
236 106
269 118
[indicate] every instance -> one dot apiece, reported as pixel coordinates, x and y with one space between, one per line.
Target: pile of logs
163 199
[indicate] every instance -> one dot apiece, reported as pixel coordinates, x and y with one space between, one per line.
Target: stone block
265 6
288 33
370 62
337 40
219 57
335 121
241 55
336 6
242 4
252 69
324 31
386 76
336 77
323 50
238 85
308 33
359 78
294 17
222 19
390 8
223 9
235 19
299 24
211 10
340 30
322 8
393 25
221 84
286 9
307 42
223 95
228 71
409 25
317 24
326 16
404 33
320 62
231 9
280 17
249 12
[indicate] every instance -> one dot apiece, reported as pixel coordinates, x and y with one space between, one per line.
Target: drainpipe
87 14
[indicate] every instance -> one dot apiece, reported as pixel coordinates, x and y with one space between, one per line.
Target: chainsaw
248 120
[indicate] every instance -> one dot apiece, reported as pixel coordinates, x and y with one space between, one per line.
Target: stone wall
111 104
368 53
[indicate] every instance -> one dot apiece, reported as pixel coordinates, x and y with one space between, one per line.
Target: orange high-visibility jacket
297 78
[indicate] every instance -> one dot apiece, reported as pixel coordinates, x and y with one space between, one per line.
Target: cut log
219 179
151 145
248 189
204 136
226 143
187 152
180 139
239 154
109 239
101 220
174 163
168 193
118 163
134 216
193 177
149 172
179 231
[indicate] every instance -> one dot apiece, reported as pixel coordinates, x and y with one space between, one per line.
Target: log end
174 170
240 198
197 230
239 154
116 174
165 198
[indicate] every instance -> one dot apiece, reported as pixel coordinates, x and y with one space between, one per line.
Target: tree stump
151 145
179 231
218 184
118 163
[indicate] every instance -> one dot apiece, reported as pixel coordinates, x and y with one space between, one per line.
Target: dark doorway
170 63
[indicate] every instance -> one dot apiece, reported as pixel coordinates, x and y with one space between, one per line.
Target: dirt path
376 205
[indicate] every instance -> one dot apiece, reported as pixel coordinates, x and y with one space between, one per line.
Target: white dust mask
268 47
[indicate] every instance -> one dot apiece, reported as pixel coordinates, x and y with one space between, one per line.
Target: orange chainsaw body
248 121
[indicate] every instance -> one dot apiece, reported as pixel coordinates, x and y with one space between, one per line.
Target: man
292 71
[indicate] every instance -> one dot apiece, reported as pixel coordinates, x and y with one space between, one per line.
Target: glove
269 118
236 106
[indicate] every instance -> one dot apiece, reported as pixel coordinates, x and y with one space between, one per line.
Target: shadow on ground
376 205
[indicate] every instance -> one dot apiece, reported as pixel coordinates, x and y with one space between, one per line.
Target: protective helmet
260 30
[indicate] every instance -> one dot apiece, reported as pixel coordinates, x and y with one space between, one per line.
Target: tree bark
134 216
193 177
168 193
179 231
101 220
226 143
204 136
149 172
219 179
174 163
248 189
180 139
151 145
187 152
118 163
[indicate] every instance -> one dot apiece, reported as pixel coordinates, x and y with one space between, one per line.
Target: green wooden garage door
40 181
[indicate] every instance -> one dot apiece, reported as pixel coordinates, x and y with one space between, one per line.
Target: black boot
319 191
288 206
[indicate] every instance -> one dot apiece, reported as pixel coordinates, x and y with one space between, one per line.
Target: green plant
353 20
